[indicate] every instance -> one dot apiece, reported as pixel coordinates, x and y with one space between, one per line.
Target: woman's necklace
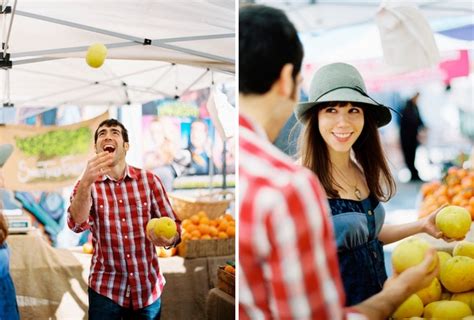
357 192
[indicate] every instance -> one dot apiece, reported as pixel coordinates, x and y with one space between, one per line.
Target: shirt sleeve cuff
77 227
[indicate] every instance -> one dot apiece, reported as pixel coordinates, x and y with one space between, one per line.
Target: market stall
52 283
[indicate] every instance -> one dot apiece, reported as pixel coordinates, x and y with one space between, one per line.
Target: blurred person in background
199 147
287 252
163 155
412 132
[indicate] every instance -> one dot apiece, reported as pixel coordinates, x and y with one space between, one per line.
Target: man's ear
126 146
286 82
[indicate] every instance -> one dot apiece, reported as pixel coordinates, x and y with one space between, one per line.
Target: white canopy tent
155 49
345 30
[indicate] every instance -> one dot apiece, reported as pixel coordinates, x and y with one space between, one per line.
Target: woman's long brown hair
3 226
368 153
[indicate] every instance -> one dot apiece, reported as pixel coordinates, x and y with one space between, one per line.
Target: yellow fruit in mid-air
431 293
451 310
411 307
409 253
454 221
464 248
164 226
457 274
96 54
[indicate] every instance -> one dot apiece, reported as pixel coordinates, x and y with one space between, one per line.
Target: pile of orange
200 227
457 188
230 269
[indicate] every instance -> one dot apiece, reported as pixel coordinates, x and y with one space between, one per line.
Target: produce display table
52 283
220 305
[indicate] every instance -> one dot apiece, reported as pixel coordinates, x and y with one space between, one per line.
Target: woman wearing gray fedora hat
341 144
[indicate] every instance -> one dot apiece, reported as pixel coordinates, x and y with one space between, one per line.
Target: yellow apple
457 274
453 221
464 248
409 253
411 307
431 293
96 54
164 226
87 248
451 310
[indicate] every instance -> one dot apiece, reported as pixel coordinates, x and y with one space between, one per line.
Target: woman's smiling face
340 125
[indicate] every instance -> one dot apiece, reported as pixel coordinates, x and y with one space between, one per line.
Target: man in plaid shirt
287 251
115 201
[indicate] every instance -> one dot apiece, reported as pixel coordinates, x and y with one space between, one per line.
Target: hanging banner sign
47 158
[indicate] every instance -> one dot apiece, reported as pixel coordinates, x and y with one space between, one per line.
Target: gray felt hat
5 152
341 82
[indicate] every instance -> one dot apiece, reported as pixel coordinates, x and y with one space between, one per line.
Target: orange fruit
223 225
230 231
195 219
229 269
191 227
213 231
203 228
213 223
222 235
202 214
204 220
206 237
228 217
185 237
185 222
196 234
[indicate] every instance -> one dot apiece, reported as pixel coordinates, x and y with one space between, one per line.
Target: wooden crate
206 248
226 281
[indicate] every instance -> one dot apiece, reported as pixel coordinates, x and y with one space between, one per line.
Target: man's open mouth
109 148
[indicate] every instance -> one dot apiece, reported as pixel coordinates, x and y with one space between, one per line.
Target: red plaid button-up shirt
124 264
287 251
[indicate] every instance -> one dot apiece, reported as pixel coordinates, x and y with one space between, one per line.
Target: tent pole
158 43
224 164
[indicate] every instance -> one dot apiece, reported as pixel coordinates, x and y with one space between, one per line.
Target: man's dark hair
267 41
112 123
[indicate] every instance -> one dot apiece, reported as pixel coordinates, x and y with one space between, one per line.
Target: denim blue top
357 225
4 260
